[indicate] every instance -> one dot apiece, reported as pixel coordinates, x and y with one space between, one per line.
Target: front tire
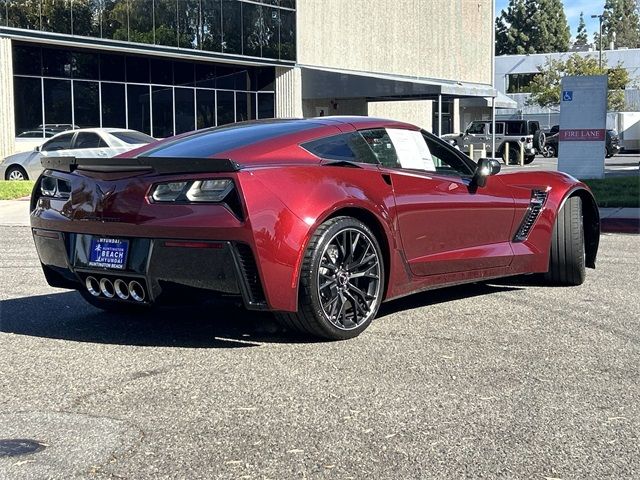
341 281
16 172
566 260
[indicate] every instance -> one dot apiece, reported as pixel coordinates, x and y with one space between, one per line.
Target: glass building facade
85 84
262 28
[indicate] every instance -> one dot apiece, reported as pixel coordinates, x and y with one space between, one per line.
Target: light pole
599 17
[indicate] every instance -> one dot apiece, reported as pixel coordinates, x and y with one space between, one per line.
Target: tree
622 18
581 36
532 26
545 86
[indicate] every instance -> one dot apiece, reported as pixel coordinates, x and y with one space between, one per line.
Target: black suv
550 149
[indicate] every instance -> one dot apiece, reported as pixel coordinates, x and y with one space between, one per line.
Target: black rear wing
150 164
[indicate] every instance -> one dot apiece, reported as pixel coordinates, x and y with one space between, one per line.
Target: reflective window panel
205 108
266 105
85 64
166 18
27 60
231 26
56 16
137 69
57 102
226 105
161 71
112 67
287 35
113 105
56 62
189 24
162 112
21 14
185 115
141 21
114 19
87 17
28 104
139 105
211 26
86 104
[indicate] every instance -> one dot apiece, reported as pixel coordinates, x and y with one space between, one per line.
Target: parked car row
86 142
550 148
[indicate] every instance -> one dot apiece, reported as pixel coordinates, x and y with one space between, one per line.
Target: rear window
220 139
349 147
133 137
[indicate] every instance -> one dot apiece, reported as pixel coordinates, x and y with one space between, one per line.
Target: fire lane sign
583 114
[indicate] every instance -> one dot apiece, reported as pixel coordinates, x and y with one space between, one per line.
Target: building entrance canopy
333 83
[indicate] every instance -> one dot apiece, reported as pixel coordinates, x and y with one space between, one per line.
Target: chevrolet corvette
318 220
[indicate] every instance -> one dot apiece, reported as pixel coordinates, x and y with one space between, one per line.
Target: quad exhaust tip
136 291
93 286
120 288
106 287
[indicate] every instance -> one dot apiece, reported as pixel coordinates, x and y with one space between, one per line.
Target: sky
572 9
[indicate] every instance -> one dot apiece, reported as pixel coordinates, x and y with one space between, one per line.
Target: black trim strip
155 164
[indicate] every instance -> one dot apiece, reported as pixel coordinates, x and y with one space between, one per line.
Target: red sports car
319 220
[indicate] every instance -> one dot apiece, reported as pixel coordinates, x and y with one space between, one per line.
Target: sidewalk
612 220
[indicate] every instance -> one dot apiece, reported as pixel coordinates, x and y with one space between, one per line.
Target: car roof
260 140
93 130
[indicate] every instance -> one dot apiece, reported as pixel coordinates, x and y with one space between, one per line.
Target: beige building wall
417 112
288 92
7 122
443 39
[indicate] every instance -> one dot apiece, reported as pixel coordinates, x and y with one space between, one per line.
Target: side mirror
37 149
486 167
463 134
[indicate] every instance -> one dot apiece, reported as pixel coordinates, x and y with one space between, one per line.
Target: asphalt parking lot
505 379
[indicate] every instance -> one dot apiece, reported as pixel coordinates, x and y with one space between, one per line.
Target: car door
89 144
446 224
55 147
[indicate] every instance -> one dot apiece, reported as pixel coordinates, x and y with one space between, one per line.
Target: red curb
620 225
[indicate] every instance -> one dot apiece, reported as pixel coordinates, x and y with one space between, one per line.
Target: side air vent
538 197
250 277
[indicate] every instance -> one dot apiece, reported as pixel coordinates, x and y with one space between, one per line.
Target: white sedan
87 142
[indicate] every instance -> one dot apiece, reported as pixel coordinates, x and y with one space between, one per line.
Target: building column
7 116
455 112
288 92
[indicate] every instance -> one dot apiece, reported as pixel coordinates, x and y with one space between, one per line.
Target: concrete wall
329 106
288 92
417 112
444 39
7 119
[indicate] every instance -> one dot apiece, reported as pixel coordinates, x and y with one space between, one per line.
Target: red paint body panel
436 230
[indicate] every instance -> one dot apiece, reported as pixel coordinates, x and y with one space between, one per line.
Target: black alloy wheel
341 283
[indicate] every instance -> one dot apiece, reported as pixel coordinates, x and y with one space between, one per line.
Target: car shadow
448 294
66 316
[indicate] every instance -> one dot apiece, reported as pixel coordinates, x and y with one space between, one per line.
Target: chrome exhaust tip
121 288
93 287
106 287
136 291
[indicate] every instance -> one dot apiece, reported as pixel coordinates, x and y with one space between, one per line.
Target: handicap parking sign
567 95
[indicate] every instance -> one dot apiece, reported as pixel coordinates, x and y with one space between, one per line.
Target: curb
620 225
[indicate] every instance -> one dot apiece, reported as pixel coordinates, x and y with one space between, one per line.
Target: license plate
108 253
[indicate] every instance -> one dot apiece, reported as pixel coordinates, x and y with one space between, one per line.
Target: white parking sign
583 112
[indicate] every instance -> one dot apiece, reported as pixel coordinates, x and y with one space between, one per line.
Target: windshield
475 127
133 137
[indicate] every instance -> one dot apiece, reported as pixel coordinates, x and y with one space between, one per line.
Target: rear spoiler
151 164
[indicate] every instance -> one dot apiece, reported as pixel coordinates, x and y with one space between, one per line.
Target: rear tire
539 139
341 281
514 154
566 259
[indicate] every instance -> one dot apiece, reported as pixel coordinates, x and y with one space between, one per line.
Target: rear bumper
161 266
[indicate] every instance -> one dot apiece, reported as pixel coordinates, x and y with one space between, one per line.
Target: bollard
505 153
471 151
522 154
483 152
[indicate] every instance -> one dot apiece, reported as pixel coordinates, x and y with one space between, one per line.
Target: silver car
87 142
